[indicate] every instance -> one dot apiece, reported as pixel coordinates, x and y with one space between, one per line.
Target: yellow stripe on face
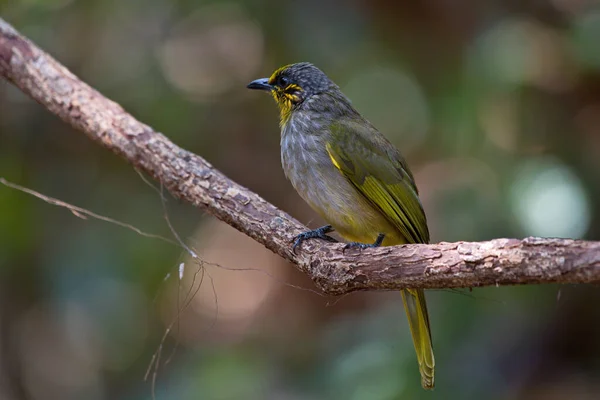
275 74
284 97
292 86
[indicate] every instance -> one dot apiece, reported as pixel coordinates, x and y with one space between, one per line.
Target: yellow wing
378 171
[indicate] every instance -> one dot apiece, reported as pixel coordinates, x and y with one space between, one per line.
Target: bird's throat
285 105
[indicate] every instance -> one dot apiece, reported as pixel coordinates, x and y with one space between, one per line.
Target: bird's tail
418 319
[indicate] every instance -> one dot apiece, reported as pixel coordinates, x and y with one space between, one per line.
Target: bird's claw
319 233
357 245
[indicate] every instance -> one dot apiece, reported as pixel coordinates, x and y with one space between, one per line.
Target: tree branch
189 177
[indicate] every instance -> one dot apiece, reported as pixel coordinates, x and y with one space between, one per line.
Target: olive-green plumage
349 173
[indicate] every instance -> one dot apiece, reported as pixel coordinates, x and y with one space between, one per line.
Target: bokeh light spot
215 49
548 199
586 39
394 102
521 51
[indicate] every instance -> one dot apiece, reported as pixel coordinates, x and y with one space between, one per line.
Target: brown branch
189 177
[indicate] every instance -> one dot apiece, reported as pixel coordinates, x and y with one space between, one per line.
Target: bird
352 176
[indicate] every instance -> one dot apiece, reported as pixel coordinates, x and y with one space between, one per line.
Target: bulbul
350 174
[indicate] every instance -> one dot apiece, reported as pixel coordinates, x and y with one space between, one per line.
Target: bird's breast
308 166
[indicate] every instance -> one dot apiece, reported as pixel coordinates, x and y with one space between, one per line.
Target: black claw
357 245
319 233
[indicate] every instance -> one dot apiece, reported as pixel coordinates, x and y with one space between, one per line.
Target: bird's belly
337 201
352 216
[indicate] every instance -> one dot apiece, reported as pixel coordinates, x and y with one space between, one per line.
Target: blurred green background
495 104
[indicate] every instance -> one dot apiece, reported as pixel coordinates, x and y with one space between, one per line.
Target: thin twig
82 212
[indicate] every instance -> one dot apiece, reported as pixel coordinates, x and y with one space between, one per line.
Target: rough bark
189 177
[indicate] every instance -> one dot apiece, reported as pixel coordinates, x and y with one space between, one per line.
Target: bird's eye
282 82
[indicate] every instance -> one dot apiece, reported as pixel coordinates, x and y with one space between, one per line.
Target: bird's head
292 84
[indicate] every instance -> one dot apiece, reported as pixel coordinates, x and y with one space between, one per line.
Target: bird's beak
260 84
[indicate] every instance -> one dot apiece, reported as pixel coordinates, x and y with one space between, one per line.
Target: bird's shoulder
358 141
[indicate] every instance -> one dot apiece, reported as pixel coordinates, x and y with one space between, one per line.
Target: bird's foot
357 245
319 233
